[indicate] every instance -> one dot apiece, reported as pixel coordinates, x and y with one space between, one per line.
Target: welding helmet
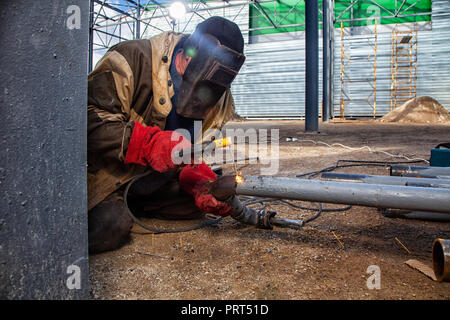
216 51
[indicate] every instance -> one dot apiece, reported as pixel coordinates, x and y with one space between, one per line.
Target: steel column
325 60
43 221
331 54
138 19
312 66
91 37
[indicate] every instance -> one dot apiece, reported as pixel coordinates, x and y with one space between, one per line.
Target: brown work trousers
155 195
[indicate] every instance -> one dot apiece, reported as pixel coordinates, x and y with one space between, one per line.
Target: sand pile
418 110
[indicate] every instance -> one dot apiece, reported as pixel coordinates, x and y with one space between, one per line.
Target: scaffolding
369 63
403 64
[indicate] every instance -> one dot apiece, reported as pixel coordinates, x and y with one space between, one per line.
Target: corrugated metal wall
441 51
271 83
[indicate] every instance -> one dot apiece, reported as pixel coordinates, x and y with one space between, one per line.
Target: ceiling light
177 10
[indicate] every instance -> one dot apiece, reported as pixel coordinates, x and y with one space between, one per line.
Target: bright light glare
177 10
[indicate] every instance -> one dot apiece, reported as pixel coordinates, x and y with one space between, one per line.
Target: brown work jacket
132 83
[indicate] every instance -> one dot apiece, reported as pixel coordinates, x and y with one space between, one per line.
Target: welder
139 93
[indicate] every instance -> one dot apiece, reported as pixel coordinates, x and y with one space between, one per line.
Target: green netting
361 14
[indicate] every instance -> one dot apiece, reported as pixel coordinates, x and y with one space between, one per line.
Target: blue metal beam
312 66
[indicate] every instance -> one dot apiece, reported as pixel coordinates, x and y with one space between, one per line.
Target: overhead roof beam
399 9
410 6
258 7
229 5
107 5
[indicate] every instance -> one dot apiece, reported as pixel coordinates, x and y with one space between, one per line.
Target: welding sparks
239 178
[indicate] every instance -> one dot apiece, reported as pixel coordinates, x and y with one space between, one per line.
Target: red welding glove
149 146
193 180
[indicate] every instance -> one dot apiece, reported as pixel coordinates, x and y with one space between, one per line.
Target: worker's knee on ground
109 224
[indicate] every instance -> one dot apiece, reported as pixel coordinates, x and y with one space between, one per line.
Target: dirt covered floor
328 259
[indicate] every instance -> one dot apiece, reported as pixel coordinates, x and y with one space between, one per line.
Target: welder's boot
109 224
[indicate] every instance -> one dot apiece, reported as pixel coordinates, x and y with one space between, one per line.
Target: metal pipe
390 180
423 175
379 196
419 215
420 171
312 66
224 189
441 259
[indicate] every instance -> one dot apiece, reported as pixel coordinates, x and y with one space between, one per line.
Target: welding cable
263 200
210 220
353 163
323 209
362 148
319 211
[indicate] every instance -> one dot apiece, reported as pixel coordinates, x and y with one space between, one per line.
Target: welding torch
224 189
206 146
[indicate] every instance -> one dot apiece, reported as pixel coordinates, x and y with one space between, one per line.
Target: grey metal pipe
390 180
379 196
441 259
420 171
419 215
423 175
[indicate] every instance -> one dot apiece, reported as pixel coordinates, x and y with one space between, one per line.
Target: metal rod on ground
371 195
420 171
420 215
390 180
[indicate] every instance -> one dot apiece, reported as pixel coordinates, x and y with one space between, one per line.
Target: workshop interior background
380 93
